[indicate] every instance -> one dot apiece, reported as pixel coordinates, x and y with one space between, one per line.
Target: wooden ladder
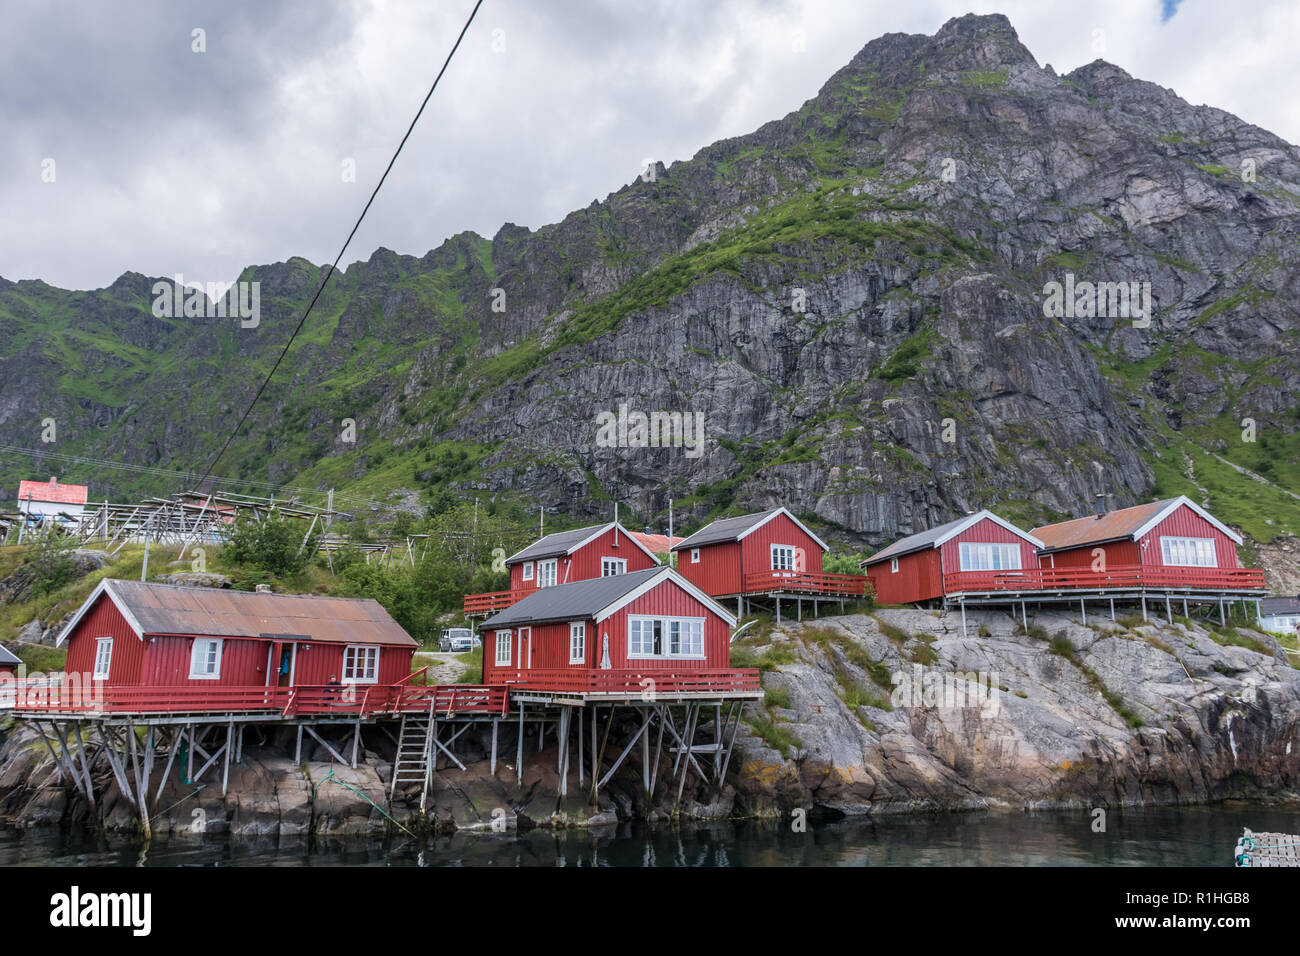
415 758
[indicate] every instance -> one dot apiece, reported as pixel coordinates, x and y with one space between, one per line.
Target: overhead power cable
334 265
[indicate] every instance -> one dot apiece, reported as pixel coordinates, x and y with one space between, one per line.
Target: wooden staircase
414 763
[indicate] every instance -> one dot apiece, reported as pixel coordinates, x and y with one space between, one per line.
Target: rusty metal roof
217 612
1094 529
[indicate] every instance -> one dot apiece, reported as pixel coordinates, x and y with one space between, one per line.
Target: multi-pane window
503 647
103 658
989 556
1189 552
528 570
893 565
695 555
205 659
612 566
665 637
546 573
577 643
360 664
782 557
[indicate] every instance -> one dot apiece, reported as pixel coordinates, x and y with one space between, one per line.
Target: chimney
1101 506
54 482
263 589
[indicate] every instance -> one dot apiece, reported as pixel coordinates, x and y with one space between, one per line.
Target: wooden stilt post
963 618
687 739
519 757
225 770
1112 609
659 749
581 723
1083 612
496 725
1144 608
85 765
297 751
1169 610
1222 619
778 609
1185 614
1024 615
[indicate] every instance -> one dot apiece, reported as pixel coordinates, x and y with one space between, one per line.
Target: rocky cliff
852 296
864 714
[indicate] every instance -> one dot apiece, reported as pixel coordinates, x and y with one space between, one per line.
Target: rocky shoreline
1057 716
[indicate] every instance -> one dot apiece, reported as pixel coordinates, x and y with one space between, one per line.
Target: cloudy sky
167 160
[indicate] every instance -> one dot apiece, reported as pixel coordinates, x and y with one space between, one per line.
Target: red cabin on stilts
913 569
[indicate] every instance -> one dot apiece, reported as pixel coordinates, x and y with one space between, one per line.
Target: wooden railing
1125 577
806 582
579 680
47 696
492 601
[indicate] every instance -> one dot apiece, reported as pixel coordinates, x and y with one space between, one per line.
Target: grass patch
1231 637
41 658
779 738
776 697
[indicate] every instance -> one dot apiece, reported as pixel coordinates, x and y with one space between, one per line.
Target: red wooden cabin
608 635
564 557
137 634
913 569
9 662
1168 543
770 552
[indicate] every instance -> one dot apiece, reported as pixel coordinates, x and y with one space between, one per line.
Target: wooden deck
70 698
1239 582
582 684
811 583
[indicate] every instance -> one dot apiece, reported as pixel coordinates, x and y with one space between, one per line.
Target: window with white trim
360 664
546 573
503 647
665 637
528 570
893 565
989 556
695 555
782 557
103 658
1189 552
577 643
612 566
205 658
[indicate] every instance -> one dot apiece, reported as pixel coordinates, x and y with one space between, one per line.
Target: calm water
1153 837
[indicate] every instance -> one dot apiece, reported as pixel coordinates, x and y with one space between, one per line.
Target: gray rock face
1083 717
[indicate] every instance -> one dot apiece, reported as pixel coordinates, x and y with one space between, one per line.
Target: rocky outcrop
1102 715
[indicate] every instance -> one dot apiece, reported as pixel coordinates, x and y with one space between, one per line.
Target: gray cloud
170 161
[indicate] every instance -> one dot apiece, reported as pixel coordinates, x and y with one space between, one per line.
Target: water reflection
1152 837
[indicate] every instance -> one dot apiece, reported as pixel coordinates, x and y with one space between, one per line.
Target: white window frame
992 555
504 639
1177 551
776 549
893 565
695 555
577 642
370 667
691 627
204 642
549 568
528 571
103 662
618 564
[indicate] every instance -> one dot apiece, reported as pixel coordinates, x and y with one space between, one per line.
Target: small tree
274 546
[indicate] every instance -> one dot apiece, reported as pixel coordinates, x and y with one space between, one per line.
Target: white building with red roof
51 498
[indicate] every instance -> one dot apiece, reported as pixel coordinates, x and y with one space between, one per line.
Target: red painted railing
579 680
806 582
1125 577
492 601
44 695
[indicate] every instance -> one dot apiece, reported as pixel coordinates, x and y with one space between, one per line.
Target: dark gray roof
559 542
724 529
6 657
1279 605
570 602
915 542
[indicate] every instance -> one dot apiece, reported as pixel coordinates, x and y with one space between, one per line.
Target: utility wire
334 265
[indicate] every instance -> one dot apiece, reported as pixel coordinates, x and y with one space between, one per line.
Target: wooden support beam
228 747
626 750
85 765
321 740
519 758
496 725
691 715
119 772
726 760
177 737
